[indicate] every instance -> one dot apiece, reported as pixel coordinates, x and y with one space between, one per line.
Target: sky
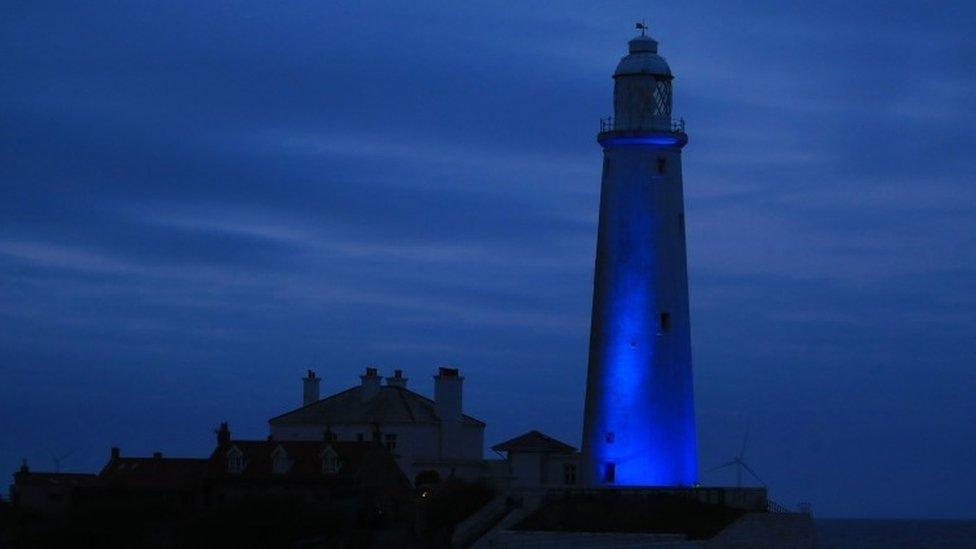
200 201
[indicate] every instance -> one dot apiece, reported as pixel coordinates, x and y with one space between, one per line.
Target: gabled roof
153 473
70 480
367 463
389 405
534 441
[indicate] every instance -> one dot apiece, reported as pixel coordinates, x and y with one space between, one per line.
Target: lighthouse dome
643 59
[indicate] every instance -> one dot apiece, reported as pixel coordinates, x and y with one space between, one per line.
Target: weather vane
642 26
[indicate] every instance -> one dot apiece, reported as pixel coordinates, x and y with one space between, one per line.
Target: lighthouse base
686 517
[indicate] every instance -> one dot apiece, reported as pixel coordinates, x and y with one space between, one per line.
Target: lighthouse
639 421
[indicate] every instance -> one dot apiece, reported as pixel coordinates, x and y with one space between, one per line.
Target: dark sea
870 534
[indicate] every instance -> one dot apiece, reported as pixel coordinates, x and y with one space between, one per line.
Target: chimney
157 455
447 394
397 380
310 388
370 386
23 466
223 434
115 452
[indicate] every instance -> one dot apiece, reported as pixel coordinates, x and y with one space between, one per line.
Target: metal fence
609 124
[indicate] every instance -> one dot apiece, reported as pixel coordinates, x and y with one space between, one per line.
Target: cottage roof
366 463
70 480
152 473
389 405
534 441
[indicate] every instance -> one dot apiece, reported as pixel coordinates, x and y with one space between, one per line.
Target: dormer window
279 461
330 461
235 461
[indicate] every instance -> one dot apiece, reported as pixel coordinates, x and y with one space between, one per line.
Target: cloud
201 201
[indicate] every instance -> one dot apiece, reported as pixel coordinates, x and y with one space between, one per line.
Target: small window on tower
609 472
606 164
665 322
390 440
662 165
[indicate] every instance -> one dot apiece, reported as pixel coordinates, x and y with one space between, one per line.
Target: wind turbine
59 458
740 464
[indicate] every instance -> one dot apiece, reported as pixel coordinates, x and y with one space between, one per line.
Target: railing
774 507
608 124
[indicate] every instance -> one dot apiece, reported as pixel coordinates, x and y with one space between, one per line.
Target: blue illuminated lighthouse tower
639 424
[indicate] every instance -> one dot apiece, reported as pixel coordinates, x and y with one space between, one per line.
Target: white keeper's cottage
429 438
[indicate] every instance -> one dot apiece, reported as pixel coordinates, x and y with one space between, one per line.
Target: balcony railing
609 124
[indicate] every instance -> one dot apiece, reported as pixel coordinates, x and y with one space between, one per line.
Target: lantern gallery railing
610 124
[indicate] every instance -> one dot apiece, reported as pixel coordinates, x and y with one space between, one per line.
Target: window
665 322
330 461
662 98
280 462
235 461
609 472
390 440
610 437
569 473
662 165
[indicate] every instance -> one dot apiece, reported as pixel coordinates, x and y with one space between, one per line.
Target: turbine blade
722 466
751 472
745 438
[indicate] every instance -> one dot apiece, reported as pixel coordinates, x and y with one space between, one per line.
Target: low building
156 479
429 438
534 459
312 471
47 493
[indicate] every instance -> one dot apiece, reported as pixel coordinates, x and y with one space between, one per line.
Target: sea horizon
844 533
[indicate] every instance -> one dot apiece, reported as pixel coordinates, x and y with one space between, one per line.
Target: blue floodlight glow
660 140
640 402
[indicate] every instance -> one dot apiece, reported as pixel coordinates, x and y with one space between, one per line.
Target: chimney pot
23 466
397 380
447 405
157 455
115 452
370 385
223 433
310 388
447 394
